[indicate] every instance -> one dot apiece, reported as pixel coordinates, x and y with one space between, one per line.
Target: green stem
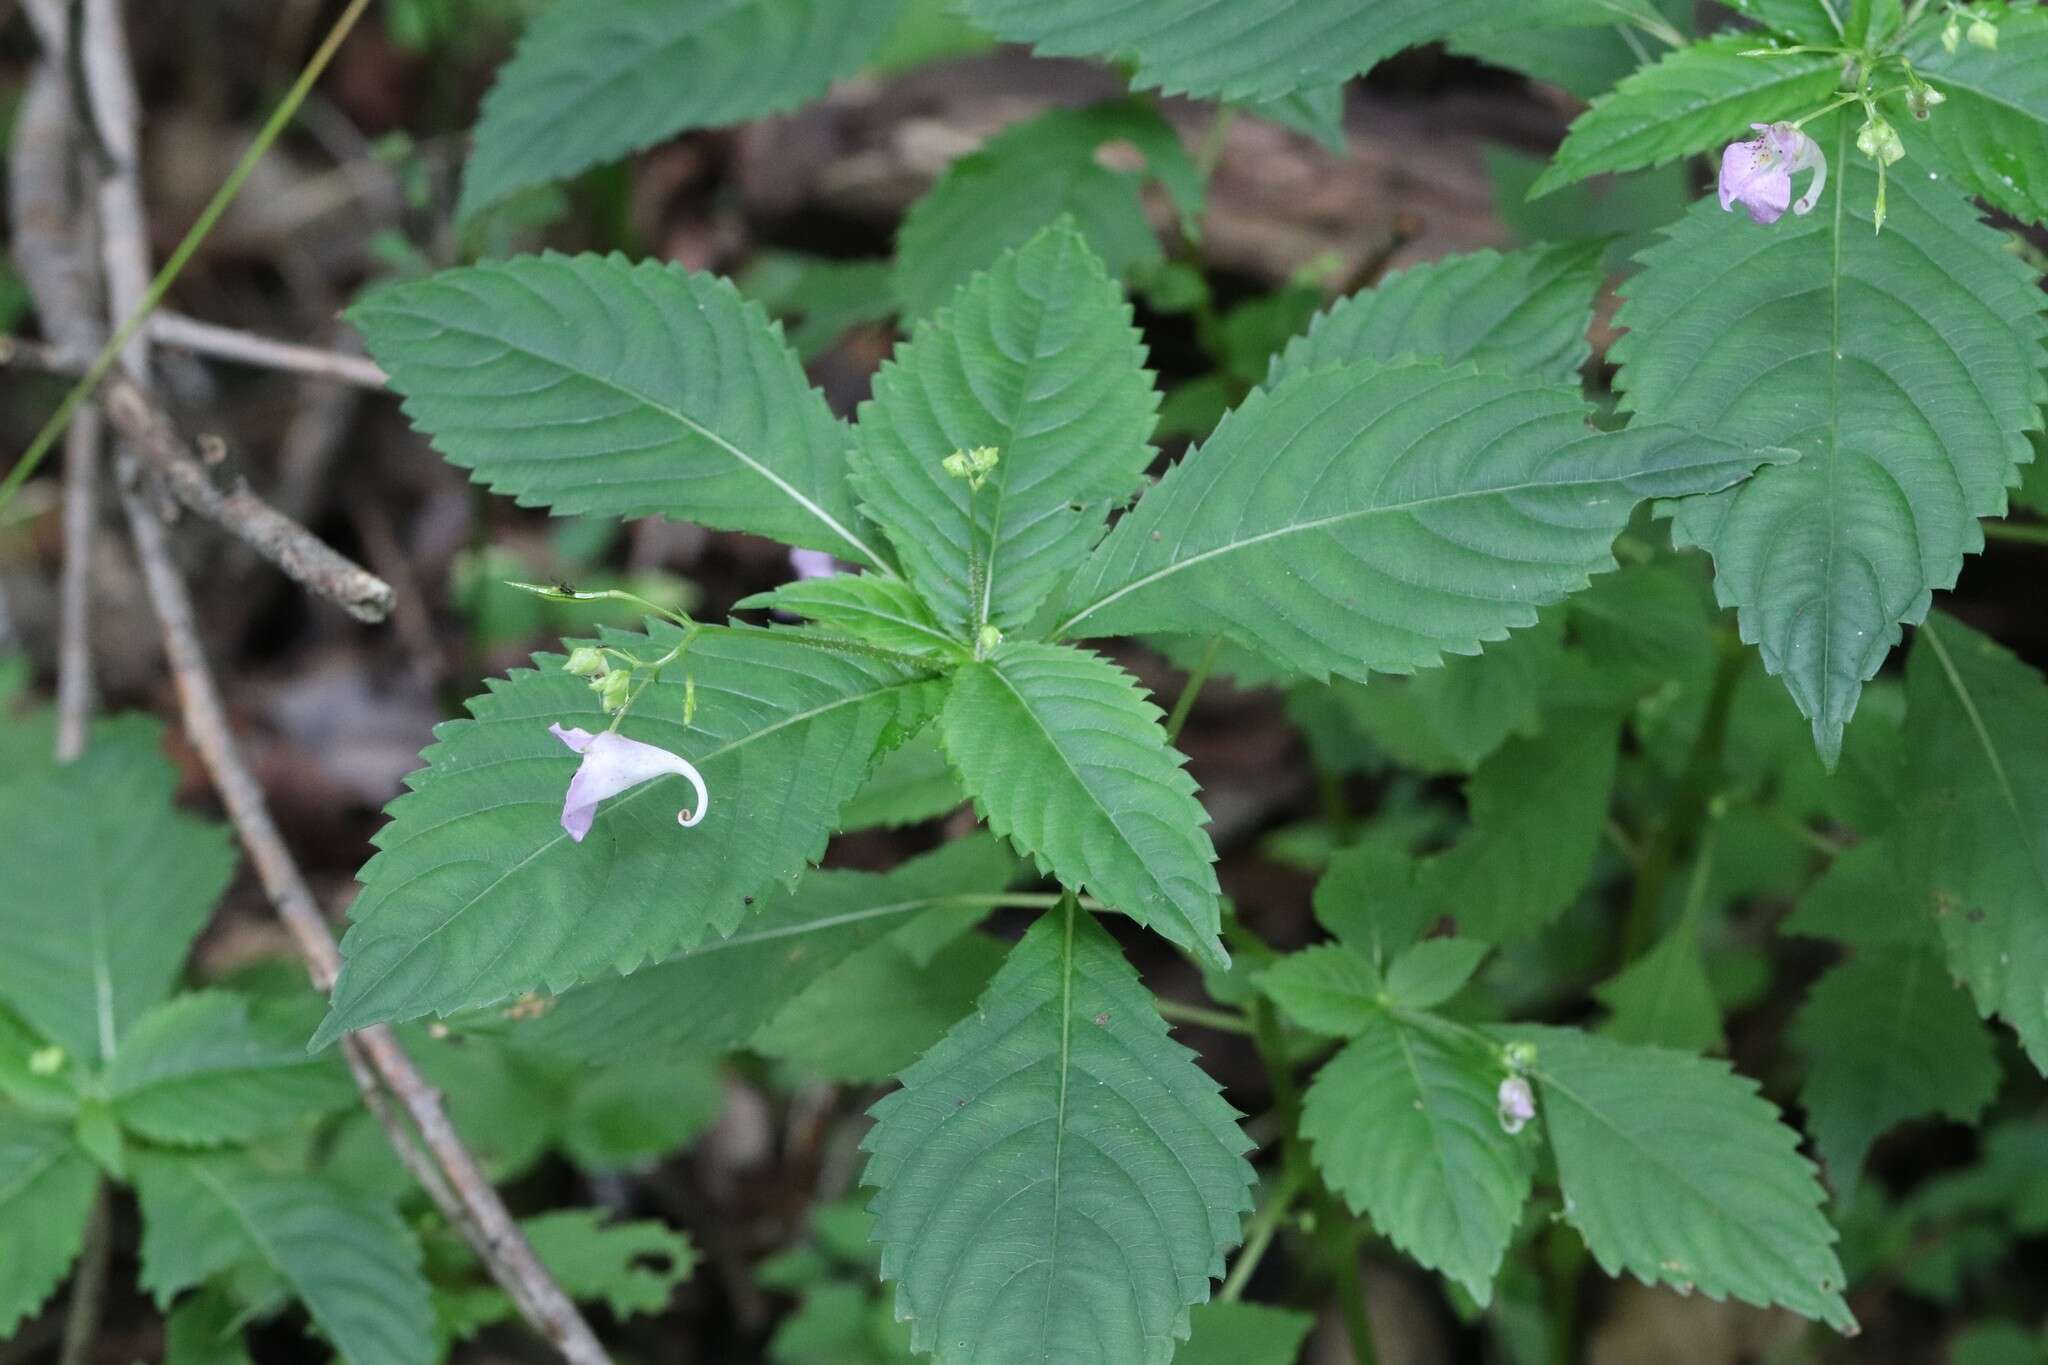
180 258
2019 533
89 1284
1259 1236
1223 1021
1688 804
1192 689
1218 133
1340 1236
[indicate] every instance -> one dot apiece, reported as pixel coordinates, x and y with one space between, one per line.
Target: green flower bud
1879 141
1984 34
1923 100
585 662
1951 36
989 638
46 1061
613 689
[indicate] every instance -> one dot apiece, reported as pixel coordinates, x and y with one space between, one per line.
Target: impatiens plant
1590 665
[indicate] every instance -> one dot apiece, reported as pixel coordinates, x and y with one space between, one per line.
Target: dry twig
454 1180
246 348
150 433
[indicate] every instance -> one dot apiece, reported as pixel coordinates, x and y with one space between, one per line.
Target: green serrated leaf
1694 100
1374 518
1525 313
1450 719
628 1115
1810 21
477 894
886 612
46 1191
633 1268
1991 137
1887 1037
1977 837
200 1071
903 1006
593 80
1369 899
1327 988
1026 178
1664 998
911 784
1866 897
1433 971
1254 49
1244 1334
1057 1177
107 885
1404 1126
1065 757
1675 1170
590 385
1524 862
1795 335
712 997
1317 114
205 1329
1037 360
350 1261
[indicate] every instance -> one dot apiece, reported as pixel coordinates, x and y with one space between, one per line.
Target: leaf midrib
2007 794
1319 523
877 562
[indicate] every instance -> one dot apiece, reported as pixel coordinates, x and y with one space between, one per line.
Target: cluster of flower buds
1981 32
614 686
972 465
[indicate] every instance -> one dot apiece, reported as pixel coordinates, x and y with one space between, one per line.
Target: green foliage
1432 971
904 1002
1523 862
477 894
1064 756
1888 1037
886 612
1257 49
1057 1175
586 384
1404 1127
1675 1170
1026 178
596 79
351 1262
632 1268
1664 998
204 1070
819 298
1374 518
1326 988
1036 359
1991 137
911 784
1978 834
1524 313
82 958
1450 719
1244 1334
47 1187
1795 337
716 995
1697 98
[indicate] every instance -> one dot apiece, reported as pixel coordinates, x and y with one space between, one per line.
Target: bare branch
469 1200
150 433
225 343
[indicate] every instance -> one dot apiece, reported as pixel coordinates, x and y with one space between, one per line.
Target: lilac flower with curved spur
612 764
1757 174
1514 1104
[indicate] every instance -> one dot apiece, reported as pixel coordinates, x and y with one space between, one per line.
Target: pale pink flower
612 764
812 564
1515 1104
1757 174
